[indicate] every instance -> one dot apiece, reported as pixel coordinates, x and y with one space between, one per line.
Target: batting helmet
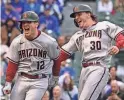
28 16
78 9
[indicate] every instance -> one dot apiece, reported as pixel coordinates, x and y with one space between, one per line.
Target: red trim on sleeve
12 60
120 41
64 55
11 71
57 63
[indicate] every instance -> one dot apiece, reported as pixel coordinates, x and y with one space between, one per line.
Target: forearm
57 63
11 71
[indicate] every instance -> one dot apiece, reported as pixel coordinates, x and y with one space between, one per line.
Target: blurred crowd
51 19
111 10
111 6
49 11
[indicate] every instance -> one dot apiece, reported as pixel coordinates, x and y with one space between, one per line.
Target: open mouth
26 29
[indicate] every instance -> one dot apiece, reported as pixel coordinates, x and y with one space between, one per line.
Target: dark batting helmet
78 9
28 16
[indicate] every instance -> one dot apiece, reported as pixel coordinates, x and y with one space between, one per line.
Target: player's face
29 29
81 19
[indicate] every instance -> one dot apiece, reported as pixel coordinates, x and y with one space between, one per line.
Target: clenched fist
113 50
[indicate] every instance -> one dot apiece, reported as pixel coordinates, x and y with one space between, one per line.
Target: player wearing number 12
32 56
94 41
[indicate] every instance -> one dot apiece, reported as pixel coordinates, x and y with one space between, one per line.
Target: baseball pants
29 89
92 80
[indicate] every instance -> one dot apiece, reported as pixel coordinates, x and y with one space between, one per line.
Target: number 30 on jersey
95 45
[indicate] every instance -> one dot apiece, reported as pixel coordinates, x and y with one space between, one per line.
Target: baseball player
94 41
32 56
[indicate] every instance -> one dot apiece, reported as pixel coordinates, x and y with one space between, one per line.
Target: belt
33 76
90 64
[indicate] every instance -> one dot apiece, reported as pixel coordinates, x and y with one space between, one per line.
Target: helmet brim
27 20
72 15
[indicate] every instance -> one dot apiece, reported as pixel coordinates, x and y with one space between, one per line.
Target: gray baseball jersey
94 44
36 56
33 57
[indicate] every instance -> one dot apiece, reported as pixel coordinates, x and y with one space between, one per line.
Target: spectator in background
113 73
9 31
2 5
119 6
113 76
61 4
108 89
18 6
69 90
5 1
56 93
32 5
66 67
55 10
46 96
105 6
49 23
115 94
9 12
40 2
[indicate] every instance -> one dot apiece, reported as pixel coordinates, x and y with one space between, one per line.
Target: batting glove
53 81
7 88
56 78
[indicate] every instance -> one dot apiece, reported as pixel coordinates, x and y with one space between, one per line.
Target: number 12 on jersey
40 65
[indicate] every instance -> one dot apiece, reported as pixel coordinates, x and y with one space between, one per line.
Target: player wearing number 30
32 56
94 41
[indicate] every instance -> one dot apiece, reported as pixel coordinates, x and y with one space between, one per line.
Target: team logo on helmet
75 9
25 15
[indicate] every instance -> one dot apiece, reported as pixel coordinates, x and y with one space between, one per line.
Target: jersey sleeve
53 50
13 52
113 29
70 47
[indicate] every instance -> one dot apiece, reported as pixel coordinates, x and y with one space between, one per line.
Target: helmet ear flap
20 26
76 24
